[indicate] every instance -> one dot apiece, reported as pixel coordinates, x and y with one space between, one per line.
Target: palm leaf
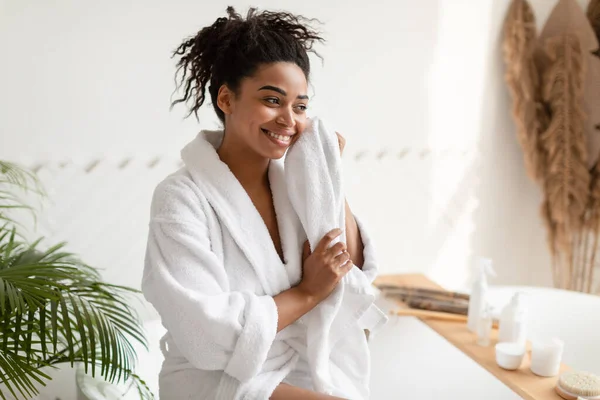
54 310
14 177
18 375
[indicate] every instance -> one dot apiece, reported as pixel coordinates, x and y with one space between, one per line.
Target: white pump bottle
477 300
513 321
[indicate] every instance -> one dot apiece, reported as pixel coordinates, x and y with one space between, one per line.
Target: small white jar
509 355
546 356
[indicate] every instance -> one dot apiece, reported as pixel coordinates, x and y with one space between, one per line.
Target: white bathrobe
211 272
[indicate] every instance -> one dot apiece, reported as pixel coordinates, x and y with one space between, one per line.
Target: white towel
313 172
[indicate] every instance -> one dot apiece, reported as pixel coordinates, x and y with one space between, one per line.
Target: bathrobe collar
237 212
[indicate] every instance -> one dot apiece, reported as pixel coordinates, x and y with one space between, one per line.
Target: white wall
432 161
417 88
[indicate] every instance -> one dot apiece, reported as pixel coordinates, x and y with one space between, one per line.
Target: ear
225 99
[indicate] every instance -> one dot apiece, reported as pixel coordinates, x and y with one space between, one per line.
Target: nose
286 118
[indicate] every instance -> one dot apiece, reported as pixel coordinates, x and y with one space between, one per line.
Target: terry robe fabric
211 271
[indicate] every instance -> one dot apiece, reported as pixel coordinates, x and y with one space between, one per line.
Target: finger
327 239
336 249
341 141
305 251
344 269
342 259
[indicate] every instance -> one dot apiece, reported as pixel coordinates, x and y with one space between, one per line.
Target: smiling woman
283 137
228 267
267 113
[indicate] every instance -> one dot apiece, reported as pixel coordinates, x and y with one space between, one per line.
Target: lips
282 140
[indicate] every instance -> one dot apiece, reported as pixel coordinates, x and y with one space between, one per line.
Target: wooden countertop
522 381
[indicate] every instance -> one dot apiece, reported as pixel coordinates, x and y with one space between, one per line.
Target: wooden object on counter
441 316
428 299
522 381
434 305
420 291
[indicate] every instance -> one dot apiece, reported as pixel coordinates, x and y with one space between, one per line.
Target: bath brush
578 384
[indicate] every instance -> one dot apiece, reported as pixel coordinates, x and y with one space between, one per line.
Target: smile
280 139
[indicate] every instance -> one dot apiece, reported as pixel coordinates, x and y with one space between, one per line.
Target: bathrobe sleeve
370 266
214 328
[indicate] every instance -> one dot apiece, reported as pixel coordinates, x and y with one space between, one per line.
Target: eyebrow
282 92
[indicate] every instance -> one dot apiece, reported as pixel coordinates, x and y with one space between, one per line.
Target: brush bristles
580 383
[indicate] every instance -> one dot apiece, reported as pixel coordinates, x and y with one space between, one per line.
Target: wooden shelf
522 381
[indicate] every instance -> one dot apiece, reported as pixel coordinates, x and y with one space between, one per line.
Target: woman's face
268 113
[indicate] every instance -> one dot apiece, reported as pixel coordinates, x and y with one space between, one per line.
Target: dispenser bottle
513 321
484 329
477 300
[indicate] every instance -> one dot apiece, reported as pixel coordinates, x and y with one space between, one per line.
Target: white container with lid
509 355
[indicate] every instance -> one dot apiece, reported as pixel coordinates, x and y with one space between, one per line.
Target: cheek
251 118
261 114
301 123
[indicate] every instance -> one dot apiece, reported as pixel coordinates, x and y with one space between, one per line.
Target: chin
278 155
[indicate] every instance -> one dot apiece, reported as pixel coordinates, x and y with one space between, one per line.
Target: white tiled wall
101 208
432 163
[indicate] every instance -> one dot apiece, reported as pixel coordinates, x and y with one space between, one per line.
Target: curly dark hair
232 48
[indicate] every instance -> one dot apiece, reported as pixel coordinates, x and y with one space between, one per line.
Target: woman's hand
341 142
324 267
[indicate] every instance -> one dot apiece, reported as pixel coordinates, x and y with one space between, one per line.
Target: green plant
55 309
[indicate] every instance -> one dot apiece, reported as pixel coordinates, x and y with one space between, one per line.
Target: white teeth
283 138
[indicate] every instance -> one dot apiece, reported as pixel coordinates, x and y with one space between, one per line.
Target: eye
272 100
302 107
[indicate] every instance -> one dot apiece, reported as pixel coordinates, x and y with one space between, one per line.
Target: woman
216 224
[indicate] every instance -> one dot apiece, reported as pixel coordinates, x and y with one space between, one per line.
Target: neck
249 168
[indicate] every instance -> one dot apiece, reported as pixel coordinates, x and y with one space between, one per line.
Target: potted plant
54 309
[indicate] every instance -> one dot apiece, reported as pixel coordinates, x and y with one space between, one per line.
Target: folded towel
313 173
